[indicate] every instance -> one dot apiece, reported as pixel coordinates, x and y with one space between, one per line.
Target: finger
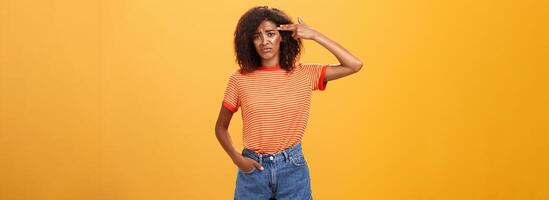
257 165
295 36
300 20
286 27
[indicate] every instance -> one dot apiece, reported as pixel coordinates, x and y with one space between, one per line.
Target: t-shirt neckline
269 68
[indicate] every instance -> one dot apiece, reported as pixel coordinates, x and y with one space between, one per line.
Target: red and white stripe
275 104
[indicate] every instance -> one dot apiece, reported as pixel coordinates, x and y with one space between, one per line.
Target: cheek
276 41
256 44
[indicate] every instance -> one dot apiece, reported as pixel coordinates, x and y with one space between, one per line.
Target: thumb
300 20
257 165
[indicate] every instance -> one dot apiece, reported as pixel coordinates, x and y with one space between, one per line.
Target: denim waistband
294 150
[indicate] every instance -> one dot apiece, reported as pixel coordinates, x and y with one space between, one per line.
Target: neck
270 62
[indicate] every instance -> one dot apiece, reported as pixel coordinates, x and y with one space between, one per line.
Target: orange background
117 100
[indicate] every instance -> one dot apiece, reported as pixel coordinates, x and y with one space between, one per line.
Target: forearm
225 140
345 58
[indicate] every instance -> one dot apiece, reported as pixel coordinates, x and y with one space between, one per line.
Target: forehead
266 25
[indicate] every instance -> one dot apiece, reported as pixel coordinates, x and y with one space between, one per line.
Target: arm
222 135
222 132
348 63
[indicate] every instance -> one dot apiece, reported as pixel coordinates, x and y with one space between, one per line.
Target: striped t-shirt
275 104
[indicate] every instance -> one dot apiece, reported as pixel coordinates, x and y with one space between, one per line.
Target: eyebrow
270 30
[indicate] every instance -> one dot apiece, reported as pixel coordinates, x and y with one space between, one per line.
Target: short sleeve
316 74
231 98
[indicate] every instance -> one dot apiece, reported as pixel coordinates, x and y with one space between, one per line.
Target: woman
274 92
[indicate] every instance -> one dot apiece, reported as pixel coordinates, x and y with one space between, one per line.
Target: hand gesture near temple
299 30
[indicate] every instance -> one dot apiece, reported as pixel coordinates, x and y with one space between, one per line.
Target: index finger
286 27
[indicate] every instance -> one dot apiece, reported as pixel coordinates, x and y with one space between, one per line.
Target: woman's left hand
299 30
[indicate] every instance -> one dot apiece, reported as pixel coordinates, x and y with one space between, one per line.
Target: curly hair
246 56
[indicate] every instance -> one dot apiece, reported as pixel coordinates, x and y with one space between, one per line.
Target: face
267 40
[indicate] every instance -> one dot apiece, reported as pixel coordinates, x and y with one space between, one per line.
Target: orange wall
117 100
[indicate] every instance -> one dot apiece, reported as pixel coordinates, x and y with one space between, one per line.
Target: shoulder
234 77
235 74
308 67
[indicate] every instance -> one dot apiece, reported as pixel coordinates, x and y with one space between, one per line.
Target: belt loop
260 159
285 155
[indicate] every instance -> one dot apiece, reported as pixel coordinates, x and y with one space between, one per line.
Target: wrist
317 36
236 157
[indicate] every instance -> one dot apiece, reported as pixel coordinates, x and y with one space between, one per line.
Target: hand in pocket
247 164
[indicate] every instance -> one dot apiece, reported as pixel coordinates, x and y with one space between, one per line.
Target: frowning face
267 40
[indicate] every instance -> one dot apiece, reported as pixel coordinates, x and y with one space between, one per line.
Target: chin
266 57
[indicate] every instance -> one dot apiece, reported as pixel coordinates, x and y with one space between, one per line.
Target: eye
270 34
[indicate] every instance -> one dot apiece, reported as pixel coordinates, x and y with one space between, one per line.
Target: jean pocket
298 160
248 172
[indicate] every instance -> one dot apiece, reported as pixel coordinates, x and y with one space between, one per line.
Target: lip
266 50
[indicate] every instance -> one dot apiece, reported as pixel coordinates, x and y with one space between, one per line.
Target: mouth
266 50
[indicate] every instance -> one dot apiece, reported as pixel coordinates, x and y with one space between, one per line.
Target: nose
264 40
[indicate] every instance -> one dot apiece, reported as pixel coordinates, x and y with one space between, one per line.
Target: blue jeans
285 176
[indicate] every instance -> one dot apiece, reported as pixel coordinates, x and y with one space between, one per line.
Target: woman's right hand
246 164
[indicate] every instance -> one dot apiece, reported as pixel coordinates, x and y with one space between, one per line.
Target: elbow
357 66
219 130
